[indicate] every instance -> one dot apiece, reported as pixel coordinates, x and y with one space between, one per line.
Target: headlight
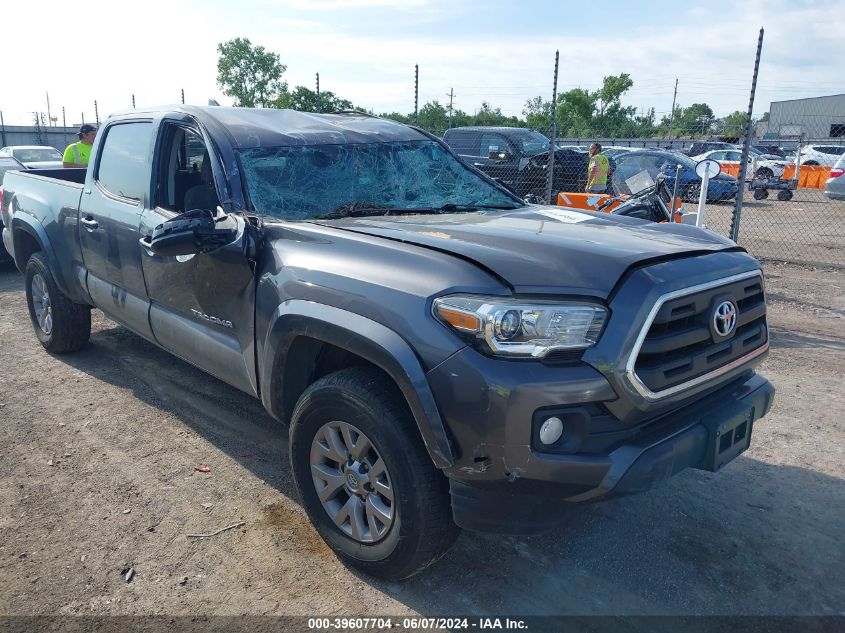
522 328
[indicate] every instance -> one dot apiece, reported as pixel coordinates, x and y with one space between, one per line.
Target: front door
201 306
109 216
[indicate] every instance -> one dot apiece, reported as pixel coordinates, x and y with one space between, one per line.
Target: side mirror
196 231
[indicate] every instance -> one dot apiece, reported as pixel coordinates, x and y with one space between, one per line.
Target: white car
34 156
764 168
825 155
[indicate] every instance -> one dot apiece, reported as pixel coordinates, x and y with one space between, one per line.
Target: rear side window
123 159
464 143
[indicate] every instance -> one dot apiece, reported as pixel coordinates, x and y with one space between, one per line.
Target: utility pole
553 139
2 129
96 114
319 103
133 102
183 96
49 118
416 92
672 115
451 98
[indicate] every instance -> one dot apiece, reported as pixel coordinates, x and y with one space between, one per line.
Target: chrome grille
679 347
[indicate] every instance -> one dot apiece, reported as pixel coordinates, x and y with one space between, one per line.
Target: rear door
115 193
201 306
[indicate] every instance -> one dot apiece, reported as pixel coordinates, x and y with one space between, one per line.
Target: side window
493 143
734 156
185 179
122 166
717 156
464 143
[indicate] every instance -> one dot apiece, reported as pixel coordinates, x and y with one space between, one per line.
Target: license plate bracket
728 437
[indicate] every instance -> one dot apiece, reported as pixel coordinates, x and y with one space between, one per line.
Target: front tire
60 325
365 478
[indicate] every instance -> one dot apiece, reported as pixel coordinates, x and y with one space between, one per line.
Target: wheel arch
306 341
30 237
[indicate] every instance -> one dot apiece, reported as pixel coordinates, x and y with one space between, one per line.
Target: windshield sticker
567 217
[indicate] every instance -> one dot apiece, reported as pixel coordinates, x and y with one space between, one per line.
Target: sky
499 51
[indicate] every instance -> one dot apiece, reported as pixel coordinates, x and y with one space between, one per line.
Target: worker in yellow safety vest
597 170
77 154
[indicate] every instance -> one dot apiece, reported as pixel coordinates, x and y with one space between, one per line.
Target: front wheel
60 324
365 478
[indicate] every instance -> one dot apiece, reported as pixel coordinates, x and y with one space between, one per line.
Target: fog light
551 430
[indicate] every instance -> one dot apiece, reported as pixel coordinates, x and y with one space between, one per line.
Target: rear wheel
365 478
761 194
60 324
692 192
784 195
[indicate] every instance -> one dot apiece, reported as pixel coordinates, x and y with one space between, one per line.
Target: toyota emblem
724 318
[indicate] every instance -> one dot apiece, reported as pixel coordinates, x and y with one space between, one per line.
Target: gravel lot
809 228
97 474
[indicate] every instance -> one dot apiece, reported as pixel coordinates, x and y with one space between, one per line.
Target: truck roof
271 127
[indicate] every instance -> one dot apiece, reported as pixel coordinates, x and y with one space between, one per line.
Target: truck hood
545 248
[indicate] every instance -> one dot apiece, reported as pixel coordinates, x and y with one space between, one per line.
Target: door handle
90 223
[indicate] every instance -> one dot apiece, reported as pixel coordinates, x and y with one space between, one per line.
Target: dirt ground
809 228
97 474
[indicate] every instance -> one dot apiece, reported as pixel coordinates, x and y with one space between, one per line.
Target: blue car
630 164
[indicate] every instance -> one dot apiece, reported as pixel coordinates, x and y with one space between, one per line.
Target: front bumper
527 491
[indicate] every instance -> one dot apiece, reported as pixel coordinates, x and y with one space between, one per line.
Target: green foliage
734 124
306 100
696 121
249 74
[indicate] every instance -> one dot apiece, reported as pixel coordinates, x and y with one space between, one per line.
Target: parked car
612 151
722 187
518 157
825 155
765 168
699 147
834 188
34 156
770 149
444 355
6 163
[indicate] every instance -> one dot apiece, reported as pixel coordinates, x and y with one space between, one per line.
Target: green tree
250 74
611 91
734 124
306 100
696 120
538 113
575 110
433 117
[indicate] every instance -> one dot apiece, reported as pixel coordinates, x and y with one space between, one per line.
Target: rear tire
692 192
410 496
761 194
60 325
784 195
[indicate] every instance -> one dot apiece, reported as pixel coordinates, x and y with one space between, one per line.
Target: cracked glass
307 181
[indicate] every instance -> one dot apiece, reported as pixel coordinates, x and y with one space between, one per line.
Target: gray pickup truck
445 355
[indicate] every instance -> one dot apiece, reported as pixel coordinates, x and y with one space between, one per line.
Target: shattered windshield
309 181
